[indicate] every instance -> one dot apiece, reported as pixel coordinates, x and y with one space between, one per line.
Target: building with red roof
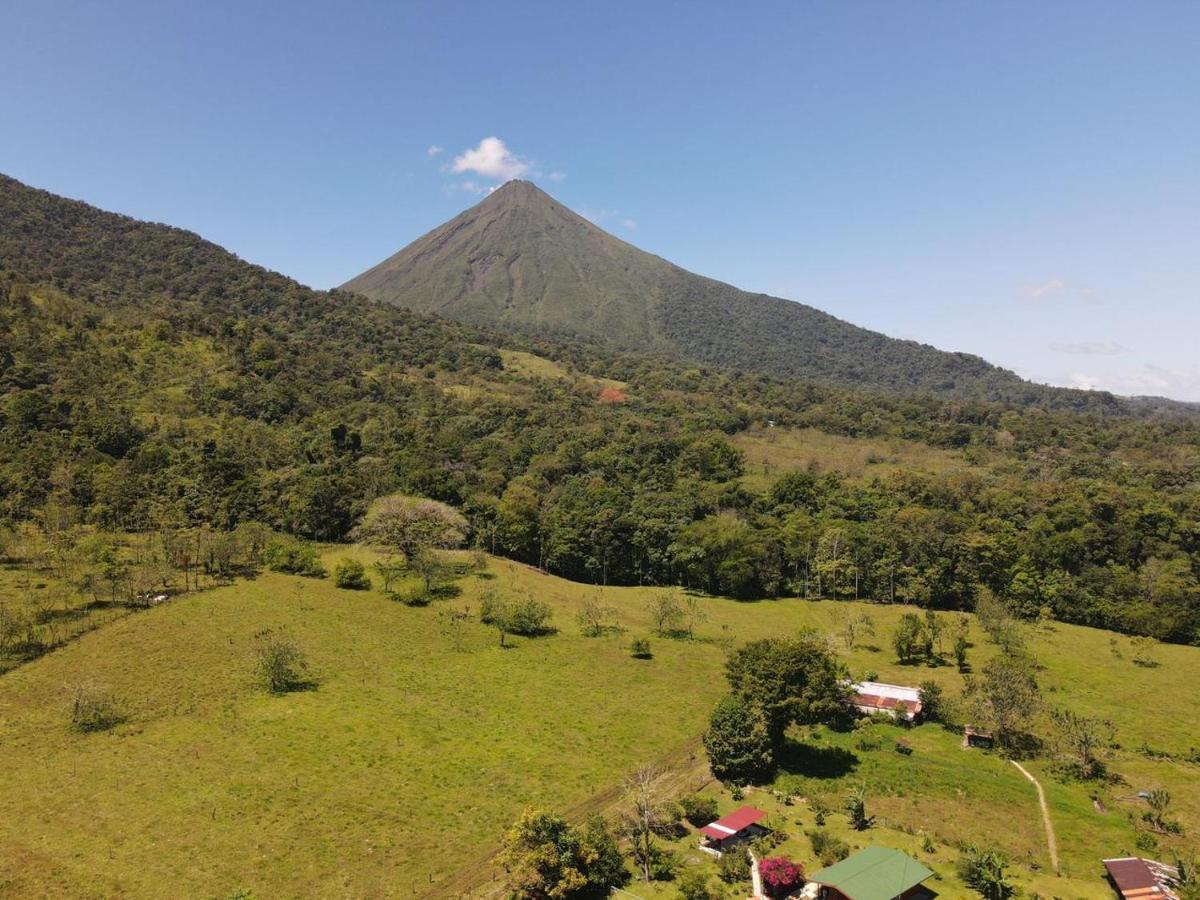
740 825
1135 878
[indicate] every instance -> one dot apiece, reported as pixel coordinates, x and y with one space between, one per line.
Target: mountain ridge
520 259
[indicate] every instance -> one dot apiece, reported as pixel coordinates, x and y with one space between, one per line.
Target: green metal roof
875 873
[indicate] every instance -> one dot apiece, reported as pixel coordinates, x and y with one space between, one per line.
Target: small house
974 737
899 702
876 873
1135 878
740 825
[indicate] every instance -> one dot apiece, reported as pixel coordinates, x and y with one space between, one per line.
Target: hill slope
520 259
149 379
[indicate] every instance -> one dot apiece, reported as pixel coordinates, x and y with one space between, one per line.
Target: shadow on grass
816 762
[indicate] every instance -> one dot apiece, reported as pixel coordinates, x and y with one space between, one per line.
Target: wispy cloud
434 150
470 187
1089 348
557 176
1147 379
491 159
1057 289
631 224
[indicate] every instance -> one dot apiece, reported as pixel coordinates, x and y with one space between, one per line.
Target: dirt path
1051 842
685 771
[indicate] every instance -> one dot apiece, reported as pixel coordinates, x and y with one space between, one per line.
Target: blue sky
1018 180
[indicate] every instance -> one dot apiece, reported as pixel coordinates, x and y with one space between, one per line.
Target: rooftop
729 825
876 873
1142 879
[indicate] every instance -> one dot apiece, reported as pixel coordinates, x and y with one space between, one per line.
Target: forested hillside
520 260
148 377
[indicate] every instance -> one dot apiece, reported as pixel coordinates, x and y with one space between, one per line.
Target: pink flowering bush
780 876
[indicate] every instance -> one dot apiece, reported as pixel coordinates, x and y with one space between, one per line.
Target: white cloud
433 150
1149 379
1056 288
1089 348
491 159
471 187
557 176
629 223
596 216
1050 288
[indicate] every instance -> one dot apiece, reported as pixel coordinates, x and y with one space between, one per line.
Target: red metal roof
728 826
1141 878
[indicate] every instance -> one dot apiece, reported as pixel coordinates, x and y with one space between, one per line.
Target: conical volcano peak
520 260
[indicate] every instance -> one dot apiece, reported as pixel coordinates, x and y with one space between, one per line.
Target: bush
528 617
94 709
827 848
281 663
694 885
412 595
351 575
780 876
284 554
640 649
984 870
734 866
698 809
663 863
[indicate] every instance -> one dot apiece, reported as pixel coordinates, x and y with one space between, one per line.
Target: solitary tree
738 742
666 613
1007 694
1084 740
789 681
908 639
281 663
854 624
594 617
415 527
643 816
548 859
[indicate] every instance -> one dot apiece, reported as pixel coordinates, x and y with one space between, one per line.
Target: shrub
640 649
694 885
780 876
412 595
984 870
528 617
663 863
827 848
281 663
856 808
94 709
285 554
734 867
351 575
699 809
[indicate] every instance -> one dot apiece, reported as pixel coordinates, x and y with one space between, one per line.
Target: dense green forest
148 377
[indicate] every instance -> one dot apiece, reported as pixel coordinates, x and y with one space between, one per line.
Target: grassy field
770 452
419 744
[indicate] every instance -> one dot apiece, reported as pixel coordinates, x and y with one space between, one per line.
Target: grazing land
422 739
771 452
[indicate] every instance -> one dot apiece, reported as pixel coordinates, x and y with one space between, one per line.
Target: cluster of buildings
880 873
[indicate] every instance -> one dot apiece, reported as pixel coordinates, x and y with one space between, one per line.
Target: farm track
1051 841
684 771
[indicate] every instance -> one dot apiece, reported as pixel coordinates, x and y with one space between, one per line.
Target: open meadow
421 739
